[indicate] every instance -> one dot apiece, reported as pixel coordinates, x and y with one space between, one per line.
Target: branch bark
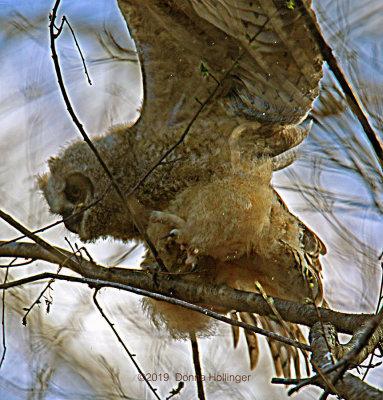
349 387
197 293
364 340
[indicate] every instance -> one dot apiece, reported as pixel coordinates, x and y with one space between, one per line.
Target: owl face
68 195
78 189
70 188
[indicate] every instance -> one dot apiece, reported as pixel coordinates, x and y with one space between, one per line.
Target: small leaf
203 69
290 4
308 300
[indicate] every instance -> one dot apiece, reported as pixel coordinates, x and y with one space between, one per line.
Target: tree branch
98 283
189 291
349 387
329 374
351 97
197 367
130 355
127 201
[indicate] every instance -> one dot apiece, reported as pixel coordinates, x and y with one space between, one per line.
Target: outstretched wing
278 75
185 46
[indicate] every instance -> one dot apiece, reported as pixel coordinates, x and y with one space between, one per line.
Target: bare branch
197 367
3 315
351 97
37 301
57 254
157 296
140 282
349 387
131 356
128 202
64 19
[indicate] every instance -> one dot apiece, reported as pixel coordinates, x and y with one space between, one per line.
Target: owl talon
172 235
175 233
193 267
191 260
176 236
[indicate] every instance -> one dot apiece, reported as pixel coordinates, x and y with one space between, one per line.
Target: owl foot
176 235
167 219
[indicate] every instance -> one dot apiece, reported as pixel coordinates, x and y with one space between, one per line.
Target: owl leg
275 142
234 141
283 160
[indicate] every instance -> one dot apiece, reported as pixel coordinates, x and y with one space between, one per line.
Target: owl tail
282 354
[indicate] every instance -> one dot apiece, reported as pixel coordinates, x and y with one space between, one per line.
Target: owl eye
77 188
73 193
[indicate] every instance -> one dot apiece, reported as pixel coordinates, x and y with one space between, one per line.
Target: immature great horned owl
209 206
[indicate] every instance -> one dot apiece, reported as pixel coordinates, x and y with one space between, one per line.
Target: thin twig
173 392
198 112
48 286
126 201
36 231
351 388
37 301
351 97
197 367
116 260
101 283
45 245
131 356
126 52
3 316
21 264
74 215
64 18
287 381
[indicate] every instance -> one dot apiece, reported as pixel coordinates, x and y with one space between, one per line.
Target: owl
246 73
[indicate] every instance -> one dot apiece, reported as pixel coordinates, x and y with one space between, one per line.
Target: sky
334 186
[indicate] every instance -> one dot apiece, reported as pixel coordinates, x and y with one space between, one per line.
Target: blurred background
67 351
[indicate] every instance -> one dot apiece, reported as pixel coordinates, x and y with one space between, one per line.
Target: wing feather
277 76
251 339
277 79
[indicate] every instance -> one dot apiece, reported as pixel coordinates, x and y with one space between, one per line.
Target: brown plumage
211 198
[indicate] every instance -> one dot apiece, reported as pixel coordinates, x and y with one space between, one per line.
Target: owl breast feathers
209 207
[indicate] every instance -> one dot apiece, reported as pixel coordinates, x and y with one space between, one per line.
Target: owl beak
71 221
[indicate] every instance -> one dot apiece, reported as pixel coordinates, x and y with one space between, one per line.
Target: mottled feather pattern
209 207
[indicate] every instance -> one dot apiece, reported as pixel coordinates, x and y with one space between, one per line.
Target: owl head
78 189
